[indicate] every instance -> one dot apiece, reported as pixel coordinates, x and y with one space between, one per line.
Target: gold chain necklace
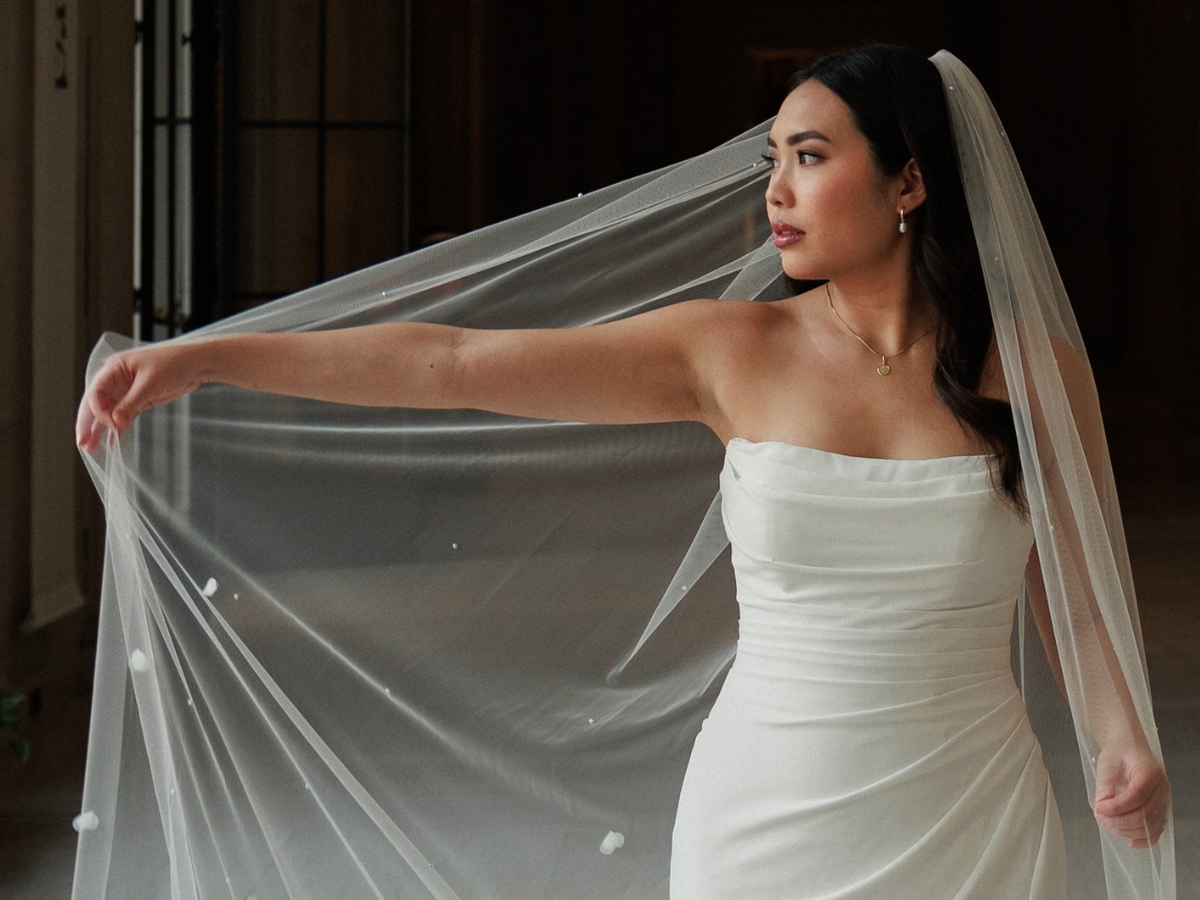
883 368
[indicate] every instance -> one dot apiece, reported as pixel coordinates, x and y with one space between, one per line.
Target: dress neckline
823 464
973 457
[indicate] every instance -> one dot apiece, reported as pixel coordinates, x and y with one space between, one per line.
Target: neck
887 313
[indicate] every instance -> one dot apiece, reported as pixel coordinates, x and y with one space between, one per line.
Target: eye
771 161
807 158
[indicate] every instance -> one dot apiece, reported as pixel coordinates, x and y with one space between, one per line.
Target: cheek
854 216
845 204
848 226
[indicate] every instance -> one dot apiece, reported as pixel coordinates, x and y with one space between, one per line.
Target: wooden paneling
16 282
1100 102
452 90
307 167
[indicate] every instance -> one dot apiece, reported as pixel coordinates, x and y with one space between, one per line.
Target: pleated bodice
869 740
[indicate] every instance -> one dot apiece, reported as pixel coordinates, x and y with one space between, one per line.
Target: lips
785 234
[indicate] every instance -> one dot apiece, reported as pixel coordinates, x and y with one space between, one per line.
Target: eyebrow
800 137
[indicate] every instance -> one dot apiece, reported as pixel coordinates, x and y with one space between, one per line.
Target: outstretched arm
654 367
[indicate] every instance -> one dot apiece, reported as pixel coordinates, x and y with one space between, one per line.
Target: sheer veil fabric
352 652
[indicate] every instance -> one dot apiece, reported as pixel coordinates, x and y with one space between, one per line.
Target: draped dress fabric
870 740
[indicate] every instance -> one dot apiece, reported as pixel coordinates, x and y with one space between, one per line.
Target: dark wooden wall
1102 102
522 103
527 102
52 662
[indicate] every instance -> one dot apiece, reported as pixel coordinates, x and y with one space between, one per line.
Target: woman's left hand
1132 794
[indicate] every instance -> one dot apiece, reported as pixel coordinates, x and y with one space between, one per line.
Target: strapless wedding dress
869 741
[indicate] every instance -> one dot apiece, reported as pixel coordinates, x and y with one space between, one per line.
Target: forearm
1113 719
395 364
1109 715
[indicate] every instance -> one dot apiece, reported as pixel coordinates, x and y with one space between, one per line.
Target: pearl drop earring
903 227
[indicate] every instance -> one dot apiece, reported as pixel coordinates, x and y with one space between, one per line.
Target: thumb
124 414
131 404
1136 791
1111 778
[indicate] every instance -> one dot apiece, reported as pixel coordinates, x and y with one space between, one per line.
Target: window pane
365 66
183 224
277 210
162 221
138 162
278 52
162 58
364 199
183 58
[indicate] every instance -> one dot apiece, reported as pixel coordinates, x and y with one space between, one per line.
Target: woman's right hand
127 385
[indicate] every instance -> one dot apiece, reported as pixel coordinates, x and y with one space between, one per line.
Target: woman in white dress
872 491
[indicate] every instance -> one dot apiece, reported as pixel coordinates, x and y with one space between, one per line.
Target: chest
842 404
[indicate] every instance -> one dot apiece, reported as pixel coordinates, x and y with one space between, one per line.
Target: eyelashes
806 157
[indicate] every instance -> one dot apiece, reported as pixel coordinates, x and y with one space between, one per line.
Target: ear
912 186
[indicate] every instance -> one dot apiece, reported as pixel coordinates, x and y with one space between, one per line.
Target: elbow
447 366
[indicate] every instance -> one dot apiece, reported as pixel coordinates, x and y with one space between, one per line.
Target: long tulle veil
351 652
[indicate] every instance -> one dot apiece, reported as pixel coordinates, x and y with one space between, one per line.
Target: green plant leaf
8 708
20 747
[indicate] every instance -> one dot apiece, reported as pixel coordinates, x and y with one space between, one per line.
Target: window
274 154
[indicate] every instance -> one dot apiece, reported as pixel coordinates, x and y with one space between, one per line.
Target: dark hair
896 98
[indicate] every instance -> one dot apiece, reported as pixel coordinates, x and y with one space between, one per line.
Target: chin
797 271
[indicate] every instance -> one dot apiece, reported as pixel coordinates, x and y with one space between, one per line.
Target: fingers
1147 823
85 423
138 398
1140 836
1138 812
126 386
98 407
90 424
88 437
1127 780
1134 795
124 413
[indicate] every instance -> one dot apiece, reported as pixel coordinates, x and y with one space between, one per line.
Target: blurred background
165 163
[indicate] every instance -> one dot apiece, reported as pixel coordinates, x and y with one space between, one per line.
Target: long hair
896 98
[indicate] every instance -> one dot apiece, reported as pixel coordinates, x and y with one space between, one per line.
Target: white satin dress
870 740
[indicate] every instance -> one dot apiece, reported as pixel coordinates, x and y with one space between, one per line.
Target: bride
878 493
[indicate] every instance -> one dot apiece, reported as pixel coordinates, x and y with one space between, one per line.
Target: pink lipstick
785 234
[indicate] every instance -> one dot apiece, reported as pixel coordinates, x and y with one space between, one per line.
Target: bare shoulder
741 354
737 314
719 326
742 333
759 318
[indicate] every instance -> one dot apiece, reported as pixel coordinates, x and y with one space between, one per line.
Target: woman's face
832 211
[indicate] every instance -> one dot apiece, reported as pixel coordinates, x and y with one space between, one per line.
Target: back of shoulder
1072 366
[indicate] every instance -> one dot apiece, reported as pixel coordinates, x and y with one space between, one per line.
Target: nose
777 192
